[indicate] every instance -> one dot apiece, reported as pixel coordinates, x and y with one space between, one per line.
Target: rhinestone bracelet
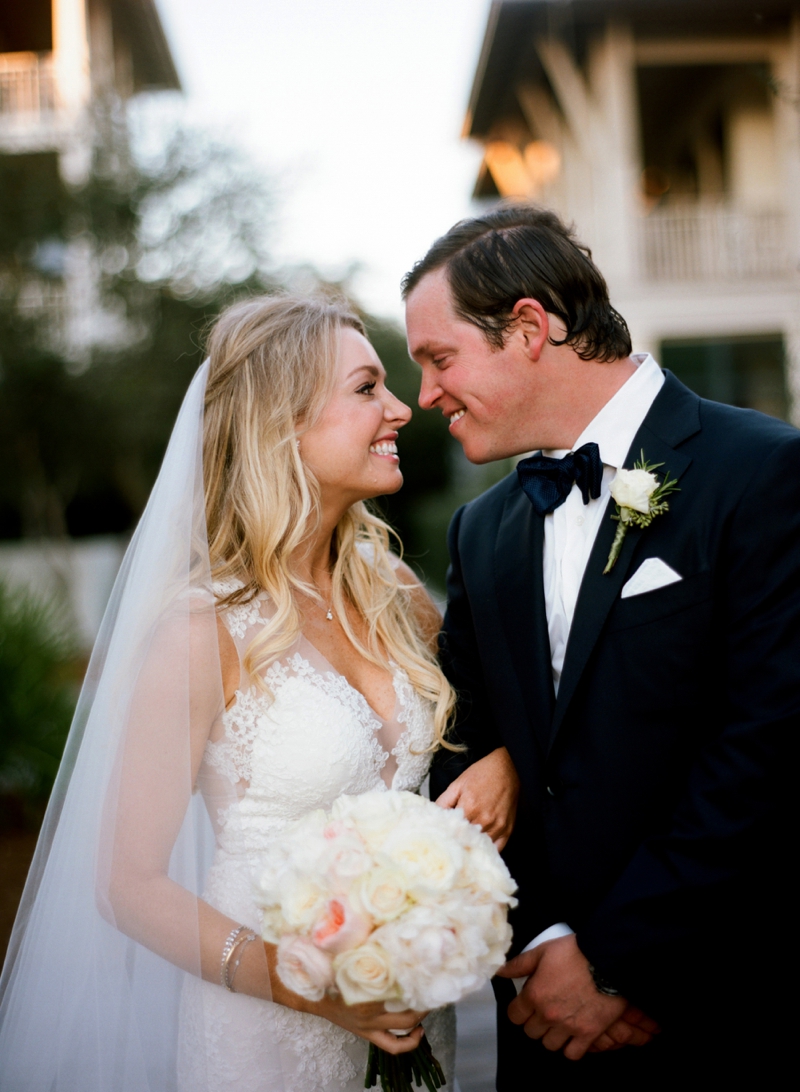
226 952
239 947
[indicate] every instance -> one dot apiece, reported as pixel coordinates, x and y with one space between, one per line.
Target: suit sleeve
690 897
461 663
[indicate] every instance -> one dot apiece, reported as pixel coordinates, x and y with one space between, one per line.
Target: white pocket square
651 574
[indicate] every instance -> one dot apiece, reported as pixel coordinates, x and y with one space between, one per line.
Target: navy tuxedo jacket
655 790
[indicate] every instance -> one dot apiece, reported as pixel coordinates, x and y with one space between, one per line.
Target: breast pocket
693 593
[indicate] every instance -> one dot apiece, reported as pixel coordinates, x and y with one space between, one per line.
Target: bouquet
387 897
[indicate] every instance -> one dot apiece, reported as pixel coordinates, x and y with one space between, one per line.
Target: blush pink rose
340 927
304 968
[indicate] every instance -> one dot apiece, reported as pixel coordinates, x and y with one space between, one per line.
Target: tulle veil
90 993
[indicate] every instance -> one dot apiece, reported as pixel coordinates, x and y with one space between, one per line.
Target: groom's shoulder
493 500
715 432
744 434
479 517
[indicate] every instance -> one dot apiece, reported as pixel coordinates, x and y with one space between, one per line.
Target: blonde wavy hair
273 366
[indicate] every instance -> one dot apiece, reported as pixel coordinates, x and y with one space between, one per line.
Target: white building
58 58
668 131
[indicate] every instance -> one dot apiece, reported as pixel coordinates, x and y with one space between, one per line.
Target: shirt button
579 520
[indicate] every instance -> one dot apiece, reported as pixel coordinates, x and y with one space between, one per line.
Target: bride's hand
487 792
370 1021
373 1022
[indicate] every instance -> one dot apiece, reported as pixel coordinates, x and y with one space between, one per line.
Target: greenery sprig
638 498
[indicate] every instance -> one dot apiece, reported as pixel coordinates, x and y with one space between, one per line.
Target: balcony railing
27 86
714 242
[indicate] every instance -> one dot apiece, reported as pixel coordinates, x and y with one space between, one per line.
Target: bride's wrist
281 994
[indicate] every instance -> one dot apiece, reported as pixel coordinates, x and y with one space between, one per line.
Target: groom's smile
531 392
484 392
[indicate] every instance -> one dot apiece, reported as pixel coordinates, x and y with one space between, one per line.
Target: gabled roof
508 53
153 65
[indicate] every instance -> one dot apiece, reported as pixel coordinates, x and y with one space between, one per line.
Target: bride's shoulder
240 613
426 611
223 588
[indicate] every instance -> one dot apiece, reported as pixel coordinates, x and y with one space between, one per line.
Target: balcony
712 241
30 115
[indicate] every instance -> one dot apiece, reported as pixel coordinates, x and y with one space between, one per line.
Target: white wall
753 163
75 576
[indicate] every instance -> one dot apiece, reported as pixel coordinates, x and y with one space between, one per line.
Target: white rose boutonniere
638 497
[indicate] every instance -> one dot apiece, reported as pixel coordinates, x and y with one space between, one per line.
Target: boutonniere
638 497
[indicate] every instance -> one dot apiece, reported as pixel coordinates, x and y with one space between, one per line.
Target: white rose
383 893
302 902
273 925
633 489
345 858
365 974
430 862
486 870
375 814
303 968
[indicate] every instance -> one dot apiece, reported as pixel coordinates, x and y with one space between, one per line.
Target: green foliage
37 697
171 236
34 204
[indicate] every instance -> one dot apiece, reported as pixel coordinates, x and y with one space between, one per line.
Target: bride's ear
532 326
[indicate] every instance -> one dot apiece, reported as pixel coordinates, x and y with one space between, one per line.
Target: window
26 27
743 371
707 132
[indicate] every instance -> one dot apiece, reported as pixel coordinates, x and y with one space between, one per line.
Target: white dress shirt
570 531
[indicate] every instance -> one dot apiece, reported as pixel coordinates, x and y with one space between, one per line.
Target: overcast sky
356 107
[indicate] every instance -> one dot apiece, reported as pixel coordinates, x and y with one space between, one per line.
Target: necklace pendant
329 615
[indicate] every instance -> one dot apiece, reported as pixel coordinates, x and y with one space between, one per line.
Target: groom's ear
532 326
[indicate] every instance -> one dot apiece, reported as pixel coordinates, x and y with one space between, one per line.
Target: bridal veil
109 925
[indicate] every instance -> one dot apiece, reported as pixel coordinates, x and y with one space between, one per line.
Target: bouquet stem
396 1071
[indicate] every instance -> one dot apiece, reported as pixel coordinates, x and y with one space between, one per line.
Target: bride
263 653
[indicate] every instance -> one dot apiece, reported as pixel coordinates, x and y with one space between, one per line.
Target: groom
647 707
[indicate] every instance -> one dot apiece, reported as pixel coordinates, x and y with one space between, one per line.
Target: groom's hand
560 1003
634 1028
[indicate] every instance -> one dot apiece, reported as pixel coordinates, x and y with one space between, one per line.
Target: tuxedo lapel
520 593
673 417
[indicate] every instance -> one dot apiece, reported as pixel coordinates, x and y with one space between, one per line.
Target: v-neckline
383 720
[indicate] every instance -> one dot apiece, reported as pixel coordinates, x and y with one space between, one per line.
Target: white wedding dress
297 747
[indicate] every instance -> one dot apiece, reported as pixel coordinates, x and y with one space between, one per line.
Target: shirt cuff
560 929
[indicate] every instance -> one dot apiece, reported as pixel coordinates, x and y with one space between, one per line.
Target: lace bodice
281 751
310 736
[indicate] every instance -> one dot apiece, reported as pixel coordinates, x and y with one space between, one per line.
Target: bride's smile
351 448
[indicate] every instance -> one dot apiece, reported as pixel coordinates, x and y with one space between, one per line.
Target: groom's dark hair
523 251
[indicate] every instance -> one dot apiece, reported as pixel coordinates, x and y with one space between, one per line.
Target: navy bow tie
547 482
